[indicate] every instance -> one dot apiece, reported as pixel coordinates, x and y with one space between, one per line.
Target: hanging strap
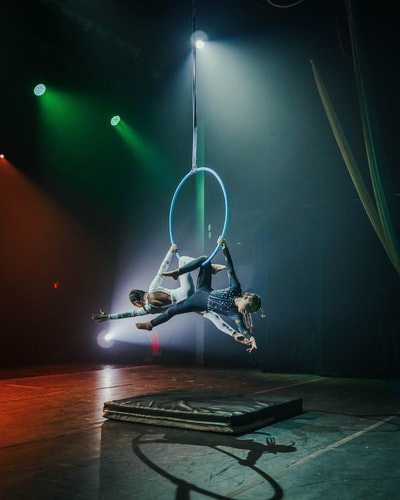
194 91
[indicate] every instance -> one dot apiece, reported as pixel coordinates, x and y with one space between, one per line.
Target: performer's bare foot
145 326
171 274
216 268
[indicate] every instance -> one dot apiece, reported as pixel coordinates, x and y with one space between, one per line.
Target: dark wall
81 216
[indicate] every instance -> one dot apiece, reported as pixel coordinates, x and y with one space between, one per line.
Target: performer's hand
99 317
239 337
221 242
252 344
173 248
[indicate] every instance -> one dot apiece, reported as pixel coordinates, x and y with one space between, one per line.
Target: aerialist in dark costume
158 298
228 301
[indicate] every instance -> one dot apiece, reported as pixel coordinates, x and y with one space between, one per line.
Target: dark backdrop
91 211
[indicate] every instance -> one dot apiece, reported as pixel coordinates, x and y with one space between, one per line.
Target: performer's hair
137 295
248 321
254 306
254 302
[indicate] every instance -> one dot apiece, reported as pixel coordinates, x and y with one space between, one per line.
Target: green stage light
115 120
40 89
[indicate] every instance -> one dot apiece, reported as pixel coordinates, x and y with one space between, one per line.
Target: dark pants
196 302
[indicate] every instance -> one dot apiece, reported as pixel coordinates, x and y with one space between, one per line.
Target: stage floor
56 444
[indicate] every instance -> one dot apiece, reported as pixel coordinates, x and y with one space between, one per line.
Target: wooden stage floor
56 444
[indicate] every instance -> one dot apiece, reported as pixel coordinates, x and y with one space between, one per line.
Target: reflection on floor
55 443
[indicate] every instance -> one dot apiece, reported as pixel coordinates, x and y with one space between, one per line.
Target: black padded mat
210 411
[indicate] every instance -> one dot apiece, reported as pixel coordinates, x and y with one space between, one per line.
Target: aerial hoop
171 210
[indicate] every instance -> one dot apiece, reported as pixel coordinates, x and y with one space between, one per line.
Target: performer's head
137 297
250 303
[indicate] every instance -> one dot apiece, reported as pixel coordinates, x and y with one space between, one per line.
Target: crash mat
206 410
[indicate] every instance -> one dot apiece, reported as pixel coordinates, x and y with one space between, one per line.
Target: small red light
155 345
56 285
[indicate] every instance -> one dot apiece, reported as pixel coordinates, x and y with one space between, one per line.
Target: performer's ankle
172 274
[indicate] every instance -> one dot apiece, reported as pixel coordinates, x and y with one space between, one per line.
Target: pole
200 187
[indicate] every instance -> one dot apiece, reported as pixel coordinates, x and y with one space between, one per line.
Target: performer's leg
184 260
161 318
195 303
204 277
187 268
186 288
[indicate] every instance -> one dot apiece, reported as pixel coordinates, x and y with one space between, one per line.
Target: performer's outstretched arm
244 336
219 322
233 280
224 327
102 316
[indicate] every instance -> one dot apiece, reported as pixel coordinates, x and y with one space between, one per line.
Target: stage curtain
376 207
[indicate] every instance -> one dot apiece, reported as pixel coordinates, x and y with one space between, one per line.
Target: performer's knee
184 259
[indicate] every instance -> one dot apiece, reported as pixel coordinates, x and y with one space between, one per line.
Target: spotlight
115 120
40 89
198 39
105 340
2 156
